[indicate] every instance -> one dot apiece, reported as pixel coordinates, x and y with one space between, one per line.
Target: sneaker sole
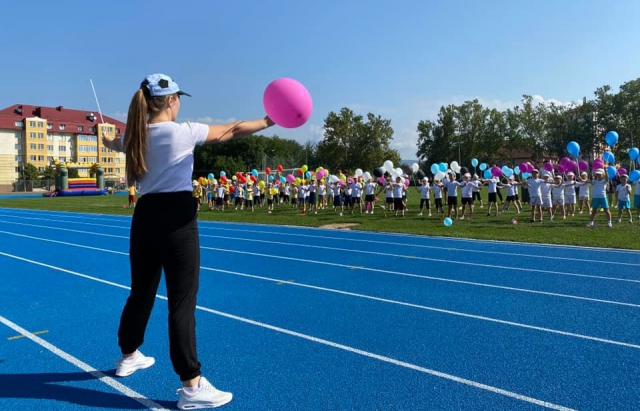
199 406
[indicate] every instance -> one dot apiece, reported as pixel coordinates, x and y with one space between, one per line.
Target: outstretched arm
221 133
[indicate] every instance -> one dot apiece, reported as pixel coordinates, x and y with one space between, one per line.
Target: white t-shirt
492 184
357 190
369 188
467 189
424 191
569 189
397 190
623 192
545 190
452 188
169 156
388 189
534 186
599 188
437 191
557 192
583 189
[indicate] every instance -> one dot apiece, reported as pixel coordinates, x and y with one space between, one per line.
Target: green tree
49 173
350 142
73 173
31 172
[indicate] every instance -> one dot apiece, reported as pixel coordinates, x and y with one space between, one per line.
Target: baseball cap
535 170
570 174
161 85
599 171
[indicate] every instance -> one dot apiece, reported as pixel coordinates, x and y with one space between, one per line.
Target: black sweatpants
164 235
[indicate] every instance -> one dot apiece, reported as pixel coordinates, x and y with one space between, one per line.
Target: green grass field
572 231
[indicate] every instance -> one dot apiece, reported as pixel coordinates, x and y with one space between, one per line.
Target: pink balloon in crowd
287 102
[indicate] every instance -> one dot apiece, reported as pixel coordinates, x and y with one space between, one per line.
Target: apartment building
41 135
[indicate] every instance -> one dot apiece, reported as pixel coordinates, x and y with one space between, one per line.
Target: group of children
552 195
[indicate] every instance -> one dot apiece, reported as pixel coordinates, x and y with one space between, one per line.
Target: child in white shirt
623 195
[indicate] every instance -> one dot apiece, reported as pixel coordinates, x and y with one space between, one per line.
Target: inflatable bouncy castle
68 187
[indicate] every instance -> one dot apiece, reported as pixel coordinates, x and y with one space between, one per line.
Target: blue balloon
612 172
254 172
526 175
573 148
283 179
270 178
483 166
516 170
609 157
434 169
210 176
474 162
508 172
487 174
307 174
447 222
443 167
222 174
634 153
634 176
611 138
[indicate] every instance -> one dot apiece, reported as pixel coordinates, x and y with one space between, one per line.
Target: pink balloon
496 171
548 166
381 180
287 102
406 182
291 178
583 165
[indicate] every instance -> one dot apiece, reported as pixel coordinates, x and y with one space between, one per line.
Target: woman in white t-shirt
164 230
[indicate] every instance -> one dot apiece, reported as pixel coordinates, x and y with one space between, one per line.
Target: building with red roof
43 135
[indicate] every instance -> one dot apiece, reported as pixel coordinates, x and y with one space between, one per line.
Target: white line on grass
376 270
128 392
364 296
317 340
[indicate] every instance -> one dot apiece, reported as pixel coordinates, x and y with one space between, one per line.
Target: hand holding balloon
287 103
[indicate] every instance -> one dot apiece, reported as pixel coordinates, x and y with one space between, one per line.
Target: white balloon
366 176
358 172
439 175
415 167
388 166
402 180
399 171
334 179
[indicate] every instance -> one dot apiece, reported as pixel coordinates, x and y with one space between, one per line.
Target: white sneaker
207 396
609 224
127 366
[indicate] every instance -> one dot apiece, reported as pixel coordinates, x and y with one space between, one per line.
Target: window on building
62 138
109 170
103 159
117 160
40 158
40 135
117 130
49 126
80 128
41 169
40 146
117 171
40 124
33 146
62 126
110 160
62 148
19 134
32 124
32 134
93 129
50 148
93 159
49 159
50 137
17 169
18 158
83 159
62 158
18 146
18 124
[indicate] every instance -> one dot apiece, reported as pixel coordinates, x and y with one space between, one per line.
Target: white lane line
376 270
64 229
389 254
408 236
364 296
123 389
439 260
426 277
328 343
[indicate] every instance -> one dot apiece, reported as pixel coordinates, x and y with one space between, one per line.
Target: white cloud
119 115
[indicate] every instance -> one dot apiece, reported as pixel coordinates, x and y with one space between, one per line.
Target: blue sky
401 59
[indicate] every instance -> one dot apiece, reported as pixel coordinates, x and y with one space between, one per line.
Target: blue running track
296 318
